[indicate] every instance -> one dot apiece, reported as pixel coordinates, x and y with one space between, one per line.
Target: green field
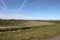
29 29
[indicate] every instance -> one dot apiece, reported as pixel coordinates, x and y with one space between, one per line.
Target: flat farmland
28 29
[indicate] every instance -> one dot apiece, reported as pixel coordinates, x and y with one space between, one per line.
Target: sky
30 9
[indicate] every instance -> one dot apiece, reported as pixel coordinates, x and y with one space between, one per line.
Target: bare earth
55 38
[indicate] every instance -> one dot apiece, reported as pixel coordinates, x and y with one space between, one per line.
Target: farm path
55 38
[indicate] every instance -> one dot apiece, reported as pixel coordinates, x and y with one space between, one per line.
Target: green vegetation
10 22
35 33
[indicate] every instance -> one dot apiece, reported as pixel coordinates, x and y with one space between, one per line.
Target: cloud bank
14 16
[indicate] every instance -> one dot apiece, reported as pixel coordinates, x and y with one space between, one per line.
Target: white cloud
5 6
41 5
14 16
22 5
24 17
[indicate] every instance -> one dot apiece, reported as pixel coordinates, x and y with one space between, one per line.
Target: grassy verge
33 34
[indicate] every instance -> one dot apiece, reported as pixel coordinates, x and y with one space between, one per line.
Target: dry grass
41 33
36 24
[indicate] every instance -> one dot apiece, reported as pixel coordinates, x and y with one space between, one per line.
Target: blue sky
30 9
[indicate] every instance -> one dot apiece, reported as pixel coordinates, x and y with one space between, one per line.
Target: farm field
28 29
29 19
